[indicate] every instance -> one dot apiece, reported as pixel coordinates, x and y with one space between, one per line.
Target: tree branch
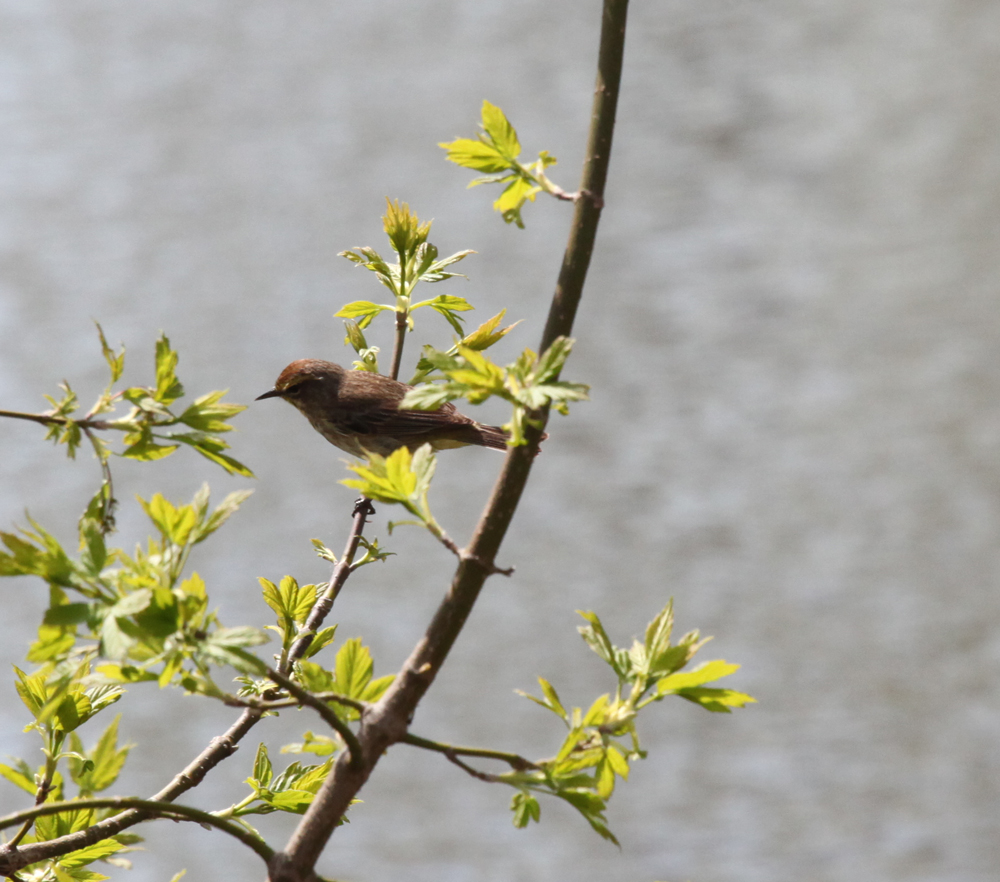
13 859
322 607
387 721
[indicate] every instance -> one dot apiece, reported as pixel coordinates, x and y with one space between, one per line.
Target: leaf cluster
294 789
153 430
529 384
401 478
139 611
495 151
60 704
417 261
602 741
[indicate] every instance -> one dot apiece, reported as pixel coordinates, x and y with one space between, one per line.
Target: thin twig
463 554
49 419
41 794
515 761
279 704
482 776
322 607
400 339
327 713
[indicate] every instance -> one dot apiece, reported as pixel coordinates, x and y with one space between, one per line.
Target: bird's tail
496 438
492 436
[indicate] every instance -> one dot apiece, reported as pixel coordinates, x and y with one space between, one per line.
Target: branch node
490 567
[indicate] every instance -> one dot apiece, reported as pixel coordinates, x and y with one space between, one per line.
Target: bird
358 411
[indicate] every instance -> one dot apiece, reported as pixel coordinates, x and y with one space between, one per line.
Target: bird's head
305 378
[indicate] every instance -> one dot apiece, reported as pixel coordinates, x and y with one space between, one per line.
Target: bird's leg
363 504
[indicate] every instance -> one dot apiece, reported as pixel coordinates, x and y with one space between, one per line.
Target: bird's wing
381 419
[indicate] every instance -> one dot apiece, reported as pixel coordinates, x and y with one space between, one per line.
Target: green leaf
65 614
291 602
236 657
597 714
706 673
226 509
322 551
241 636
429 396
206 414
673 658
445 302
604 775
175 523
360 309
315 677
103 764
398 478
592 808
116 363
373 553
376 688
353 668
50 827
551 362
435 271
597 638
510 201
717 701
40 554
403 228
20 777
32 689
525 808
318 745
83 856
500 131
658 631
487 334
95 552
262 770
146 449
475 154
168 387
551 700
211 448
617 761
355 336
321 639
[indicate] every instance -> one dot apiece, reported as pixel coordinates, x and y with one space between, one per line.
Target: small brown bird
358 411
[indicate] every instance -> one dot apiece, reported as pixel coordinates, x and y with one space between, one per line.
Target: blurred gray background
790 328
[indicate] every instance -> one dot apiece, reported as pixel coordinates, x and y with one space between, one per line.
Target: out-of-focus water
791 329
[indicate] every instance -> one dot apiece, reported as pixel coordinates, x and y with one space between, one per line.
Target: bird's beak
274 393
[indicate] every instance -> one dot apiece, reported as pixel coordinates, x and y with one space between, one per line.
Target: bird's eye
293 392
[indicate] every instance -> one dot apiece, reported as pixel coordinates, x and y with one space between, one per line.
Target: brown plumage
358 411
